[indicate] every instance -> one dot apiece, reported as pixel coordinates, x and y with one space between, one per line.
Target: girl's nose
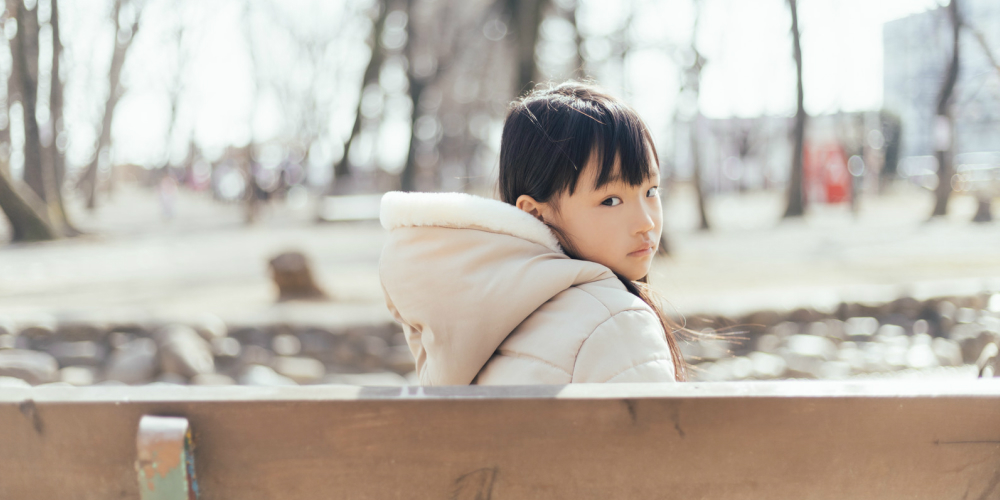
645 219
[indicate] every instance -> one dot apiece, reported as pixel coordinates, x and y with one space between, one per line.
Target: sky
749 70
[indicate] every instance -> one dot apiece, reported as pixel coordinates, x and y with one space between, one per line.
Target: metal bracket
165 462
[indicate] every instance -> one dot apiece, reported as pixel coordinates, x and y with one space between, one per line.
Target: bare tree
124 35
526 18
431 52
26 223
52 156
692 84
945 120
342 169
796 199
24 87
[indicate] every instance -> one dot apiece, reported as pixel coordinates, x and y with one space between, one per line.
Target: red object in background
825 176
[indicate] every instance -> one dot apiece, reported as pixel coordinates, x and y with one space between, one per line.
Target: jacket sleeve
630 346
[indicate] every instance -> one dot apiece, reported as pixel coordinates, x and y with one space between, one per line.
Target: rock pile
45 350
856 340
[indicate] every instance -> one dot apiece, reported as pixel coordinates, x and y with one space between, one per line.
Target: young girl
546 286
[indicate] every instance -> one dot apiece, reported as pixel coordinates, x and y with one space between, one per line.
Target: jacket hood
461 272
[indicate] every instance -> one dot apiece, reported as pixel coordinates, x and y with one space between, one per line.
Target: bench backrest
698 440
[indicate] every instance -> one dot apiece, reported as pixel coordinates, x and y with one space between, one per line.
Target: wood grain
732 440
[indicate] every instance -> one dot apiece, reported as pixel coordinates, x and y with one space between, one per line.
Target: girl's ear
529 205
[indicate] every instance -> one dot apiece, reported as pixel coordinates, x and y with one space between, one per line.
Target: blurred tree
26 224
944 124
53 155
691 86
796 199
526 18
437 41
125 30
342 169
24 88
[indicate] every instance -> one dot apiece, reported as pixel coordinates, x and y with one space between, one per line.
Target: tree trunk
88 181
54 159
696 168
24 71
408 178
796 199
526 18
25 223
945 122
342 169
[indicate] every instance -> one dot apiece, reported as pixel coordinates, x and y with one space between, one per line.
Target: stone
210 326
83 352
43 325
301 370
184 352
31 366
367 379
252 336
12 382
966 315
767 366
255 355
314 341
921 355
973 345
81 330
226 347
861 328
835 370
263 375
988 364
740 367
907 307
212 379
714 348
286 345
768 342
400 360
874 356
812 345
132 363
8 341
947 351
77 375
118 339
800 366
690 349
853 356
891 331
7 326
785 329
293 276
171 379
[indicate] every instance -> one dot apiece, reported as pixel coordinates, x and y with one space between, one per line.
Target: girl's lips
642 252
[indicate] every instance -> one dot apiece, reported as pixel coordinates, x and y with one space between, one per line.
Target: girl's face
616 225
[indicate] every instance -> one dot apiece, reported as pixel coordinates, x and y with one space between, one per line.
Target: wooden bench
767 440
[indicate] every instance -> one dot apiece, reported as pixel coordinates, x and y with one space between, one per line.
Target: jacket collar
463 211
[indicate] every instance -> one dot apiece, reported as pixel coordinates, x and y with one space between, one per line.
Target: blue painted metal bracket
165 462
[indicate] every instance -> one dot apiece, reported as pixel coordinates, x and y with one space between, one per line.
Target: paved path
206 260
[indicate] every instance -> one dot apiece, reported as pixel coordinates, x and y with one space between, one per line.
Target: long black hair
551 134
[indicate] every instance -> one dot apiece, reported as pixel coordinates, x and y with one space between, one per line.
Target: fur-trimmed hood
460 272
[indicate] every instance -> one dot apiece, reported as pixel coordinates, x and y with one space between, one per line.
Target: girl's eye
653 191
613 201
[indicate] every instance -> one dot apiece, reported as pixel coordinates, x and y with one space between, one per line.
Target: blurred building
917 50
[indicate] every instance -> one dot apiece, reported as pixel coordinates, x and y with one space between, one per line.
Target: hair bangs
551 135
